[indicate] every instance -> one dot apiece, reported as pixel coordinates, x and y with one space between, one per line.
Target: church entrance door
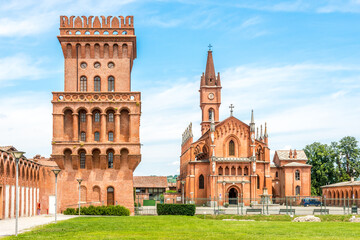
110 196
233 196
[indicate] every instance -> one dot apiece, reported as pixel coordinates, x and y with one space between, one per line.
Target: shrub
171 191
99 210
176 209
70 211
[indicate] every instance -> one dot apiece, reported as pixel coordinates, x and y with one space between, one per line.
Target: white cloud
19 67
26 122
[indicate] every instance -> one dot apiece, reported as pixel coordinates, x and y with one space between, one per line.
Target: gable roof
284 155
150 181
296 164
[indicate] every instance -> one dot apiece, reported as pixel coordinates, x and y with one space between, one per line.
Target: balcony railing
96 97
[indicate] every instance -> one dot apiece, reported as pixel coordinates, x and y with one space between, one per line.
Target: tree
349 154
337 162
323 171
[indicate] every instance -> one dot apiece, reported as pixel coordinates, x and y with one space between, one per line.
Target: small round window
83 65
111 65
97 65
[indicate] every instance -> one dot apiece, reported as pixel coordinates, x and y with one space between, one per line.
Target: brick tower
210 94
96 119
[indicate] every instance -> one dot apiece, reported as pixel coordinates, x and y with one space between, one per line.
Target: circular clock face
83 65
97 65
211 96
111 65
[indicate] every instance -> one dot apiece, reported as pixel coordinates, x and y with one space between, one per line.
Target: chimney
295 153
290 154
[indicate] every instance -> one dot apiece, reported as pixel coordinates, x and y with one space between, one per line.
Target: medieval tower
96 119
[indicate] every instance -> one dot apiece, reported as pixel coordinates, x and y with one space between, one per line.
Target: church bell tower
210 94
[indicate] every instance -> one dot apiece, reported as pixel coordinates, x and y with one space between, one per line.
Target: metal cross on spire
231 109
210 47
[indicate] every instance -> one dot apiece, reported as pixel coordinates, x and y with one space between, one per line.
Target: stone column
117 161
89 134
103 161
88 161
117 127
103 128
75 161
58 126
134 126
75 126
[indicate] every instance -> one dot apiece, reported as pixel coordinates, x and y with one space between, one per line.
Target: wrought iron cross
210 47
231 109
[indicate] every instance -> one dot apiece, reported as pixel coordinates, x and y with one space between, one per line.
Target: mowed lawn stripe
183 227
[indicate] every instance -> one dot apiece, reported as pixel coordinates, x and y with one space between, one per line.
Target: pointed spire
261 135
257 133
212 124
252 123
210 76
266 134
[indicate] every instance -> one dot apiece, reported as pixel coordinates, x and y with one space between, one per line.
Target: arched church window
277 174
97 136
246 171
97 117
220 171
82 160
211 114
82 117
231 148
297 190
227 171
111 117
83 136
97 84
258 181
111 84
110 159
83 84
111 136
201 182
297 175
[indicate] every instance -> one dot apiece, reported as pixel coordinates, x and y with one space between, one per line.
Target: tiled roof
284 155
296 164
7 148
46 162
343 184
150 181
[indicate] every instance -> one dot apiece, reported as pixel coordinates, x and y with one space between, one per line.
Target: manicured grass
186 227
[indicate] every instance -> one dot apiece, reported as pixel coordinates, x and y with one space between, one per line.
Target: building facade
342 193
230 160
96 118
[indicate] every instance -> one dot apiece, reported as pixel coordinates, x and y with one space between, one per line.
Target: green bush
99 210
176 209
70 211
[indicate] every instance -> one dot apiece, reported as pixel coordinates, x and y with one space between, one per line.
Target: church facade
231 160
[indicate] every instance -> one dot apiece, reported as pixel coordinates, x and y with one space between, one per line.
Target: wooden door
110 196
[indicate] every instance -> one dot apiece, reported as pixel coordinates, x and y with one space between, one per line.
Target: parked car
310 202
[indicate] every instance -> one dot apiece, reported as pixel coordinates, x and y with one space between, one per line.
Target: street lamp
79 181
56 172
17 155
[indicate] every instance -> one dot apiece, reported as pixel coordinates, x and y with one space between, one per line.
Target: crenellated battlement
96 26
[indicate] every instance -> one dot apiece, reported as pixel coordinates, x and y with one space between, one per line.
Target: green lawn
182 227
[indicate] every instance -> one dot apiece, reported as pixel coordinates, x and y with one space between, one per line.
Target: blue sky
296 63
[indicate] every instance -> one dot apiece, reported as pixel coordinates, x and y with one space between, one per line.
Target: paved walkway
7 226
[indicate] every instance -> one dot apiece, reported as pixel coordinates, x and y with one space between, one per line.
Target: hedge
99 210
176 209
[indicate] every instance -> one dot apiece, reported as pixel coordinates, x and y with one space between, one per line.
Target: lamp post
79 181
56 172
17 155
